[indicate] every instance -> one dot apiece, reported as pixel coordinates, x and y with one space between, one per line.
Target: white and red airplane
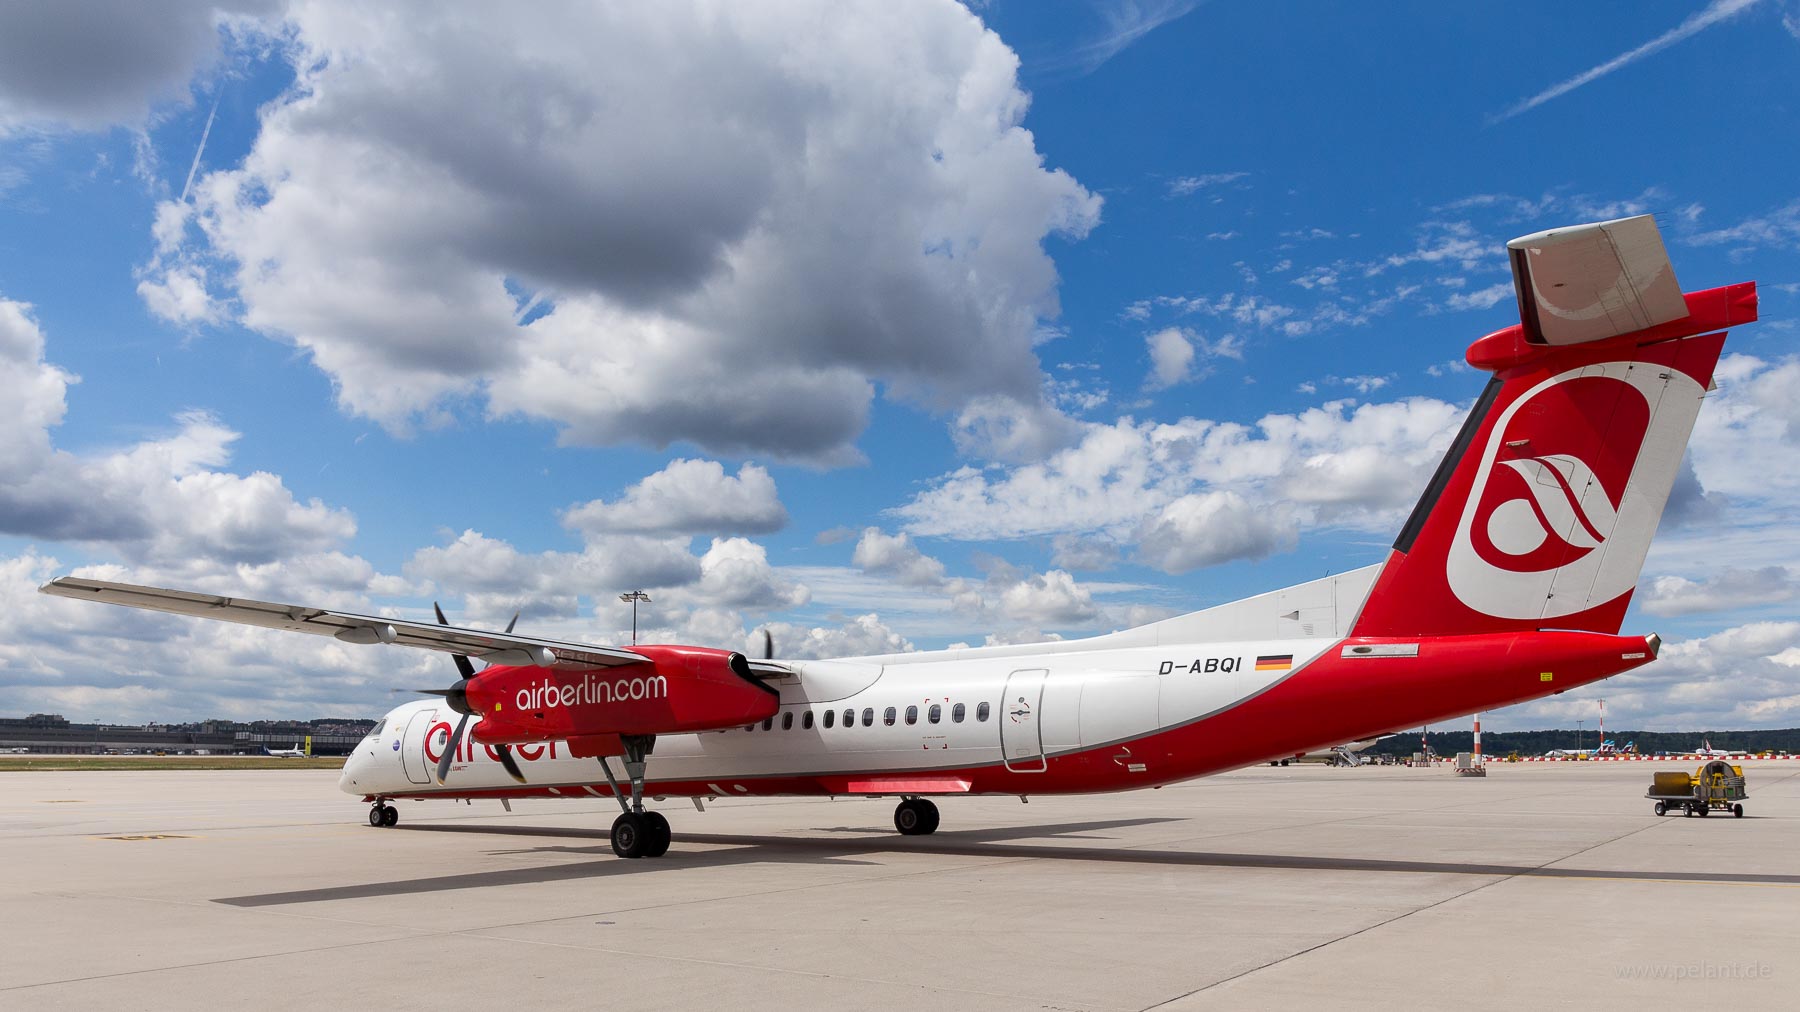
1509 582
1706 751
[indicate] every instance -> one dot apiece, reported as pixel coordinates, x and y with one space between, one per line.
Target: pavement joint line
198 964
1484 806
975 863
482 932
414 934
738 965
205 904
996 862
1397 917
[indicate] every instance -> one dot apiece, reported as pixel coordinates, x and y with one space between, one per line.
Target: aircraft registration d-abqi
1509 582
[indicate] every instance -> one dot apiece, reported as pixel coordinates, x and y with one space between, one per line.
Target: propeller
768 644
457 697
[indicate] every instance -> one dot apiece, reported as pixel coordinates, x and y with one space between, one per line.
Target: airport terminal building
54 734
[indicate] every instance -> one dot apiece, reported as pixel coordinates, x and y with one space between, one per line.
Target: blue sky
884 326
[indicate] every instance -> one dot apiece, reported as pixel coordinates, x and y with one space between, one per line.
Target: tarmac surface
1545 884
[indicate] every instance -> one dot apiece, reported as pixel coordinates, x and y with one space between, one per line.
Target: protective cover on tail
1542 512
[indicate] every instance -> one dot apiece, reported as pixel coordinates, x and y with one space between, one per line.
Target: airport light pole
634 597
1579 727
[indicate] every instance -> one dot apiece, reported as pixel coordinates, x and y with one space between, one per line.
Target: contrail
529 305
207 132
1126 22
1715 12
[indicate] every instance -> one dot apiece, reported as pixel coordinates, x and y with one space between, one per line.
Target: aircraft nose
355 769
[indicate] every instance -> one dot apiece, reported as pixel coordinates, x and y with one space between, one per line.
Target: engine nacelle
679 689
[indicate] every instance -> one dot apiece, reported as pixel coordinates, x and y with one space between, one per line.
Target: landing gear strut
383 815
637 833
916 817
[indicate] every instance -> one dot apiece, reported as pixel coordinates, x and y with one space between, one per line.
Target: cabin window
935 714
768 723
830 715
806 720
849 718
981 712
868 716
787 721
956 713
887 716
912 715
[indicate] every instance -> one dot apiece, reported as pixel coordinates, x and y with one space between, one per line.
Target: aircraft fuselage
1075 722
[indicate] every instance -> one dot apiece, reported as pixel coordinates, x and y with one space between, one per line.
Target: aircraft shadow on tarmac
727 849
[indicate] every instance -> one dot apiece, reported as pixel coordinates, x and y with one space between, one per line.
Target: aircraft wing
493 647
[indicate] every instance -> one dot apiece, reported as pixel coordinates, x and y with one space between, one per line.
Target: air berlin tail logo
1564 501
1570 487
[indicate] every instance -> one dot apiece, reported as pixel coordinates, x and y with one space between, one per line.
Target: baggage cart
1717 786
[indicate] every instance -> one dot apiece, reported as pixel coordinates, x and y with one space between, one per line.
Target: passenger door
412 747
1021 723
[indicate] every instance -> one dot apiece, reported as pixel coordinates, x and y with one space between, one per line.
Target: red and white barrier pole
1478 739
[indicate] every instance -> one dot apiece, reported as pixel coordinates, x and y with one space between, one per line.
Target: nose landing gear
383 815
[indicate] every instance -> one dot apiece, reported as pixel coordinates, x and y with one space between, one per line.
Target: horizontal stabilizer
1591 282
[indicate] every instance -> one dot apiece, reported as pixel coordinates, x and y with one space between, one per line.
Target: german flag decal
1275 662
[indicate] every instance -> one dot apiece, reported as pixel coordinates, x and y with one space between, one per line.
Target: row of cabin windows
934 714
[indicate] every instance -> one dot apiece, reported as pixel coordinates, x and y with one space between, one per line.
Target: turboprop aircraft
1509 582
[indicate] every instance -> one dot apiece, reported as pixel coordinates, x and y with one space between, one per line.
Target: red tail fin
1542 512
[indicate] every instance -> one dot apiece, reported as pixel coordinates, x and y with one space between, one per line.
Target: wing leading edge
493 647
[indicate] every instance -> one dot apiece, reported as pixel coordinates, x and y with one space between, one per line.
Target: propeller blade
515 620
463 667
443 767
506 760
768 644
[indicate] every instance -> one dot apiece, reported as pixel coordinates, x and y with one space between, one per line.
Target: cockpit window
376 730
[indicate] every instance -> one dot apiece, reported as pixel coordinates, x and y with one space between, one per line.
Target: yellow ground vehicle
1716 786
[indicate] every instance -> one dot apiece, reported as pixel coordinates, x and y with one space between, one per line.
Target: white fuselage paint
1089 697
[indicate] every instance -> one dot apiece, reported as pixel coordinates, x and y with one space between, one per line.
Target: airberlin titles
675 689
590 689
439 733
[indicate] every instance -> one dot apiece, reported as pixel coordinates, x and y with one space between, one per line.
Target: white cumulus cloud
795 204
160 500
688 497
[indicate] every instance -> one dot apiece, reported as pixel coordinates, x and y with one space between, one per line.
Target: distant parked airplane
1337 755
1608 748
297 752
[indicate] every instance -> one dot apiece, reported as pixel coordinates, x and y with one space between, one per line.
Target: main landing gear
916 817
383 815
641 834
637 833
